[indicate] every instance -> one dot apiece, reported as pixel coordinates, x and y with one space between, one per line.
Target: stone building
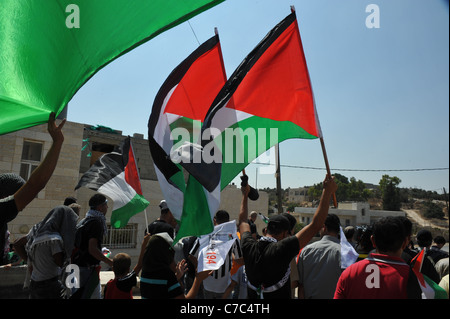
298 195
22 151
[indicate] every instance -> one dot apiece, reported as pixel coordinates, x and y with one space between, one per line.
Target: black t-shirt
90 228
436 254
120 288
267 262
8 211
158 281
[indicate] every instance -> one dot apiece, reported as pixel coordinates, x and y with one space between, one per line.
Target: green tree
386 179
391 197
432 210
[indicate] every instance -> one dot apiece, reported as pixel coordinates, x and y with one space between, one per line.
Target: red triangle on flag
131 172
417 266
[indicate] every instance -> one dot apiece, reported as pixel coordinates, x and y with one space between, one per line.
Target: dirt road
420 220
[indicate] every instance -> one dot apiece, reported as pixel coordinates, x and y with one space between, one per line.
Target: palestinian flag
116 176
49 49
267 99
430 289
176 119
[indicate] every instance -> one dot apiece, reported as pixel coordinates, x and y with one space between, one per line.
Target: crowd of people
281 264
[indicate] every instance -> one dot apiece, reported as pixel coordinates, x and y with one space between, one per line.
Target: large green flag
50 48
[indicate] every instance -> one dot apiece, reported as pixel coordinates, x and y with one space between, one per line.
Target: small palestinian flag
116 176
430 289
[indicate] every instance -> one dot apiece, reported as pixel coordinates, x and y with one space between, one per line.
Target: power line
189 22
360 170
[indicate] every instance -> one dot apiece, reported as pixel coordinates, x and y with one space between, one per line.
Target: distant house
298 195
350 214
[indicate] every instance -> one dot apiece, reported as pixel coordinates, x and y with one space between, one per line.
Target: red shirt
121 288
376 277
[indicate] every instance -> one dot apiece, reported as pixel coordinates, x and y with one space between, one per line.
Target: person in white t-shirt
215 285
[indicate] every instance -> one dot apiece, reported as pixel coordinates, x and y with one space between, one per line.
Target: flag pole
324 151
145 210
146 219
327 165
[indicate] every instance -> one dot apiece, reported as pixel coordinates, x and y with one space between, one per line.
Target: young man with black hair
384 274
267 260
166 223
88 247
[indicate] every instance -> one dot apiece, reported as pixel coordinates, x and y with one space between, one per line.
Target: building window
31 157
118 238
99 149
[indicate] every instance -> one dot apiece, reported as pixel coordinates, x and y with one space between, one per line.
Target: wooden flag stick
325 157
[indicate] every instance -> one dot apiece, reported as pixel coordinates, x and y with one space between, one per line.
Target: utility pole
446 200
278 177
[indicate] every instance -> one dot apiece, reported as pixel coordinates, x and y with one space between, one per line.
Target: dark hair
291 219
406 224
424 238
121 264
362 235
9 184
222 216
96 200
69 200
349 232
333 223
277 224
389 234
439 240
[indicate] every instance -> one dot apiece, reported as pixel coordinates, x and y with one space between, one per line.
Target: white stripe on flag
118 190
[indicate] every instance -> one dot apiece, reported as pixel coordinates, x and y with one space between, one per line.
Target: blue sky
382 94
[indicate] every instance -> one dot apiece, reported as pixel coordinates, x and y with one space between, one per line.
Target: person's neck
276 237
397 254
330 234
121 276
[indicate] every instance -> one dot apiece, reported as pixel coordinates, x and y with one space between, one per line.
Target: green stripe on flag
196 219
121 216
285 130
439 292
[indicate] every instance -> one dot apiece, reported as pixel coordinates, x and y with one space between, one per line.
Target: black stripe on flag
106 168
160 158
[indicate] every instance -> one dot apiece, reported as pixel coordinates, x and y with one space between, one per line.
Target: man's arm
243 213
307 232
19 246
199 277
96 253
138 266
44 171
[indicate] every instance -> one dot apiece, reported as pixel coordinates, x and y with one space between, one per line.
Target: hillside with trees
387 195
